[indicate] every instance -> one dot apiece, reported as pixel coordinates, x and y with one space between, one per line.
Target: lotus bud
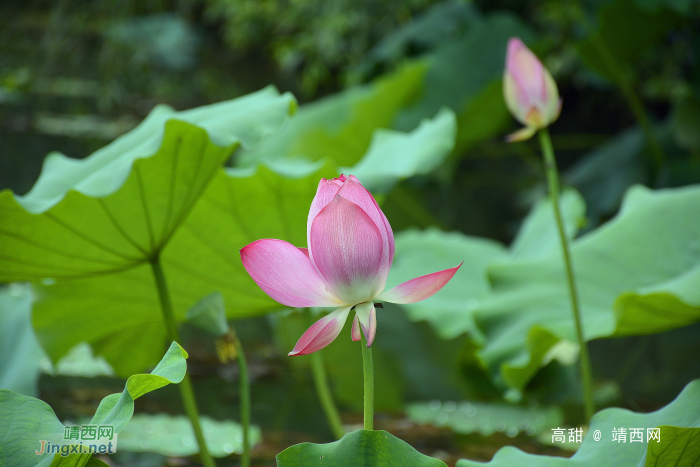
530 92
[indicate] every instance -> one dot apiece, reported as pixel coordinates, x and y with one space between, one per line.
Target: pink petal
355 332
353 190
305 251
419 288
527 72
367 315
346 248
326 191
322 332
286 274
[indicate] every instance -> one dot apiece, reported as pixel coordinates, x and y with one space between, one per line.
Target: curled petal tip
419 288
514 44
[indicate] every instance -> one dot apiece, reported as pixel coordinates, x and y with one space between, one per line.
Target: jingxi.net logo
85 439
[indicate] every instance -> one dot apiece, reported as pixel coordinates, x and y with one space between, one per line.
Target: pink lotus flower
351 247
530 91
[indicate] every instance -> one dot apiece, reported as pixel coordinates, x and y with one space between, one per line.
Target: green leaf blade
677 447
117 409
623 288
424 252
120 206
684 411
20 352
360 448
27 420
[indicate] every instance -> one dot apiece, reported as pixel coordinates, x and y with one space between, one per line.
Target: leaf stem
553 182
368 371
325 396
244 389
323 391
186 391
621 79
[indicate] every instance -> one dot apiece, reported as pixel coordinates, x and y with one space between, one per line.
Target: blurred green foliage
313 39
76 75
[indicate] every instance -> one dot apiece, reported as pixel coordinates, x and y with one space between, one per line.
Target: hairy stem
185 387
553 182
368 371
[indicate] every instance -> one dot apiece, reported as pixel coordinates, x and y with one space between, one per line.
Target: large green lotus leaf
538 236
26 420
394 155
677 447
82 236
119 207
684 411
360 448
113 312
637 274
450 312
605 173
20 352
424 252
340 127
245 121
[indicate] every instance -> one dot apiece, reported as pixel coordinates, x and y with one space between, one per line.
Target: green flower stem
324 394
186 391
368 371
632 99
323 391
245 398
553 181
